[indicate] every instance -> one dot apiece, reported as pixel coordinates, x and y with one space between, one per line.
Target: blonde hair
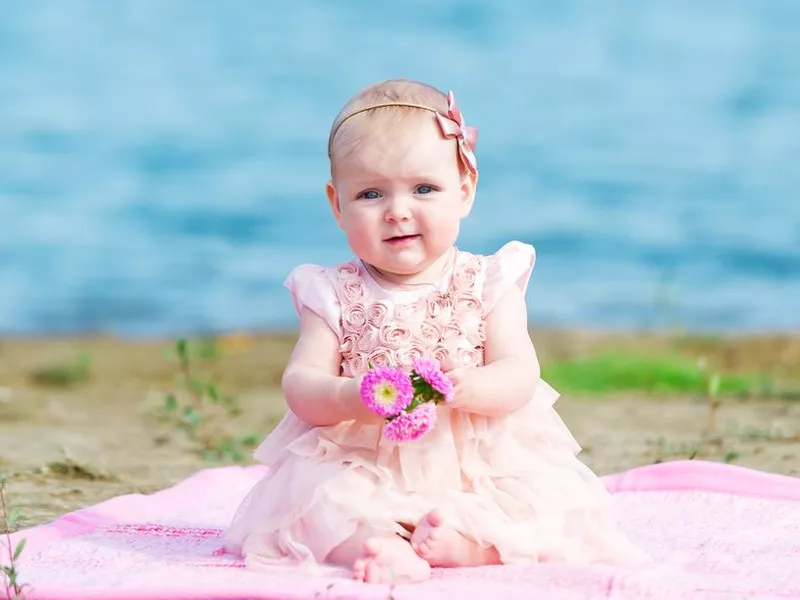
403 96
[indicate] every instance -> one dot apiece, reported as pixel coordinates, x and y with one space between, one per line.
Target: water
162 164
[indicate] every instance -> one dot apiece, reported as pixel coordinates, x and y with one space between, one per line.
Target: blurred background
162 163
162 169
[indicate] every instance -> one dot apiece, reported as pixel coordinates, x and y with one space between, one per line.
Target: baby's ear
469 183
333 200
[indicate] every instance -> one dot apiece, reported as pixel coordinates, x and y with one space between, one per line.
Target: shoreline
660 332
548 341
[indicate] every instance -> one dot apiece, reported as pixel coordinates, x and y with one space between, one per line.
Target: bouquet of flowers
406 400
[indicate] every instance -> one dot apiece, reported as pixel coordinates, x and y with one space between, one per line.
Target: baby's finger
448 364
455 375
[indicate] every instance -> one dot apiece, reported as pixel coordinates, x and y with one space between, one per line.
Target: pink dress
512 482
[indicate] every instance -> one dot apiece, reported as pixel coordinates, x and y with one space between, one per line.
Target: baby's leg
442 546
380 559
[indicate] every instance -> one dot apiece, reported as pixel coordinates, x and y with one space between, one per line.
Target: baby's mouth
399 239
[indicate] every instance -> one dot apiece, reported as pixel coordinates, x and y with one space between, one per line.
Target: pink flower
464 278
452 331
467 303
469 357
354 317
347 271
440 308
387 391
430 371
382 357
429 333
353 289
358 363
441 354
368 339
410 426
376 313
394 336
346 347
409 353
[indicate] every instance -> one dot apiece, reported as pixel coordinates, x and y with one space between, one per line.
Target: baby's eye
424 189
369 195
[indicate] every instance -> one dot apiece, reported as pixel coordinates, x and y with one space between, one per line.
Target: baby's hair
345 133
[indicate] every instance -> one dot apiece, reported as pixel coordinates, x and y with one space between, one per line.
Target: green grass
63 375
624 372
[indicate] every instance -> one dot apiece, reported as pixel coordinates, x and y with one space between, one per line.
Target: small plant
666 450
71 468
714 401
730 456
13 588
198 409
63 375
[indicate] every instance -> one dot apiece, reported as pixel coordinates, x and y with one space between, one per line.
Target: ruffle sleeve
311 287
510 265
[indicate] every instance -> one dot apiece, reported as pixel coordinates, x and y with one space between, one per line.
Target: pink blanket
716 531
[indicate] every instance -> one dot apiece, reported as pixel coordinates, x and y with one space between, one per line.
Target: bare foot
390 560
442 546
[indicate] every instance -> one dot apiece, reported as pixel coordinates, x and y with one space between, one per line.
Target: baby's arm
511 372
311 383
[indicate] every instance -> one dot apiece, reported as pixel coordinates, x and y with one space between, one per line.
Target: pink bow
452 126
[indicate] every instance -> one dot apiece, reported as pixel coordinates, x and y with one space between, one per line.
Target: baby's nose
398 210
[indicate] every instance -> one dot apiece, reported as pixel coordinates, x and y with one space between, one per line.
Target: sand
67 445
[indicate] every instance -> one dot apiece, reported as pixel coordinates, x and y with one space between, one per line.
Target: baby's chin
400 269
408 269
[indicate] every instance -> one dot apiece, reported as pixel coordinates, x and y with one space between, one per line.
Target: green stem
12 585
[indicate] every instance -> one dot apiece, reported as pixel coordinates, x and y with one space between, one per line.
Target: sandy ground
63 447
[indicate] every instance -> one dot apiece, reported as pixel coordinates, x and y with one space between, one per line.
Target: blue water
162 164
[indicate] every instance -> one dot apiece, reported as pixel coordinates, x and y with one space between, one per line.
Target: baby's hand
359 410
449 364
461 387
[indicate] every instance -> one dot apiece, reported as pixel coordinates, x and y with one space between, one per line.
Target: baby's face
400 196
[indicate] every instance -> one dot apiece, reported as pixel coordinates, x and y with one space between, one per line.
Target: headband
451 124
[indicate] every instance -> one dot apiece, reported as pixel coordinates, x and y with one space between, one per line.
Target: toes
374 573
422 547
372 547
419 538
427 533
359 570
435 518
433 535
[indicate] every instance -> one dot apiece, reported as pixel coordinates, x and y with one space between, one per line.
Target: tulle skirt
513 483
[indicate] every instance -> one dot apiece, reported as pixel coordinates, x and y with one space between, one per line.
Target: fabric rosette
406 400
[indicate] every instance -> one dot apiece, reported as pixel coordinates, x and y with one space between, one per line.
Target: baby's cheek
359 232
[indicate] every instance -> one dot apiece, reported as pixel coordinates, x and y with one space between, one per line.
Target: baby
497 480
